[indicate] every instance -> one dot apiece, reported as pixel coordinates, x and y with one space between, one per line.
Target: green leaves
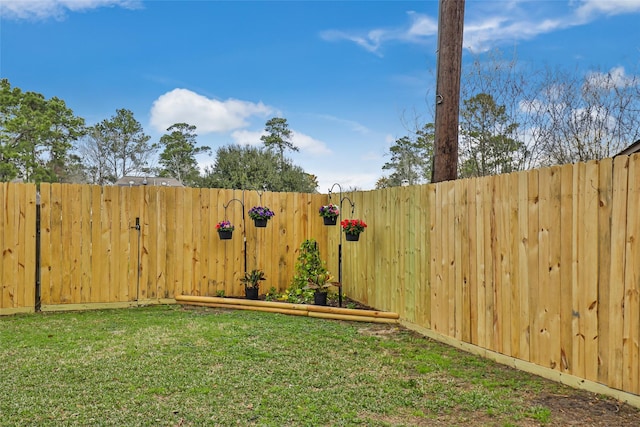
178 158
36 136
245 167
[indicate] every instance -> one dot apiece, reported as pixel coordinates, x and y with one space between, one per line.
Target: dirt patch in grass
580 408
569 407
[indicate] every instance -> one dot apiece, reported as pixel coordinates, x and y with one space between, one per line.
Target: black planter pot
320 298
330 220
251 293
225 235
260 222
352 237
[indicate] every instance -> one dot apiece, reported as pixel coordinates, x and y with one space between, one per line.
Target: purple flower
260 212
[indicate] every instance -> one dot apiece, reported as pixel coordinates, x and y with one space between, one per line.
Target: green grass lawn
171 366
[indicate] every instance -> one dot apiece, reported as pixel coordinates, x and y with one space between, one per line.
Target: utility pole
449 67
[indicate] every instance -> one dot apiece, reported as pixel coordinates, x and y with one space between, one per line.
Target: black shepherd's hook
244 237
353 206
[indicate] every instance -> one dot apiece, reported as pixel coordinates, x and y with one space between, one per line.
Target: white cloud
420 27
208 115
353 125
491 23
308 144
247 137
364 41
43 9
615 78
588 8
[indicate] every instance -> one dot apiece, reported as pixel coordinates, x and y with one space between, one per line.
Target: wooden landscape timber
335 313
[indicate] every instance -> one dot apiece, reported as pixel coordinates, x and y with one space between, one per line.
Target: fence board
515 282
617 273
9 297
604 260
523 266
554 296
631 328
473 245
541 337
504 247
590 268
567 229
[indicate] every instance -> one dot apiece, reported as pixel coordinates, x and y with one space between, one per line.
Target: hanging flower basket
225 235
330 214
260 215
225 230
352 228
330 220
352 237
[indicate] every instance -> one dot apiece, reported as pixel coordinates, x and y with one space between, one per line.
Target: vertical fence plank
489 259
566 267
74 202
554 262
9 277
188 285
463 256
631 328
506 282
515 281
604 267
115 253
57 263
541 337
205 237
437 256
617 296
533 260
473 244
589 300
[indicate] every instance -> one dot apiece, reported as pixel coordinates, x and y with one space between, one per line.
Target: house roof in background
633 148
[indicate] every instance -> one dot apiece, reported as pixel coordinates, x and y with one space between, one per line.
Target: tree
36 136
563 116
254 168
411 159
580 118
178 157
278 137
116 147
488 147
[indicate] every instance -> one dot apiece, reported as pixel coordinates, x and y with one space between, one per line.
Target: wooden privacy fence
93 253
540 266
18 247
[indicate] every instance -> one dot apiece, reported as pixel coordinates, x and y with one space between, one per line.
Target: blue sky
347 75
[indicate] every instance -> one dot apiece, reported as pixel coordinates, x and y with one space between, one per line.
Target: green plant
272 294
308 264
252 279
220 293
320 283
